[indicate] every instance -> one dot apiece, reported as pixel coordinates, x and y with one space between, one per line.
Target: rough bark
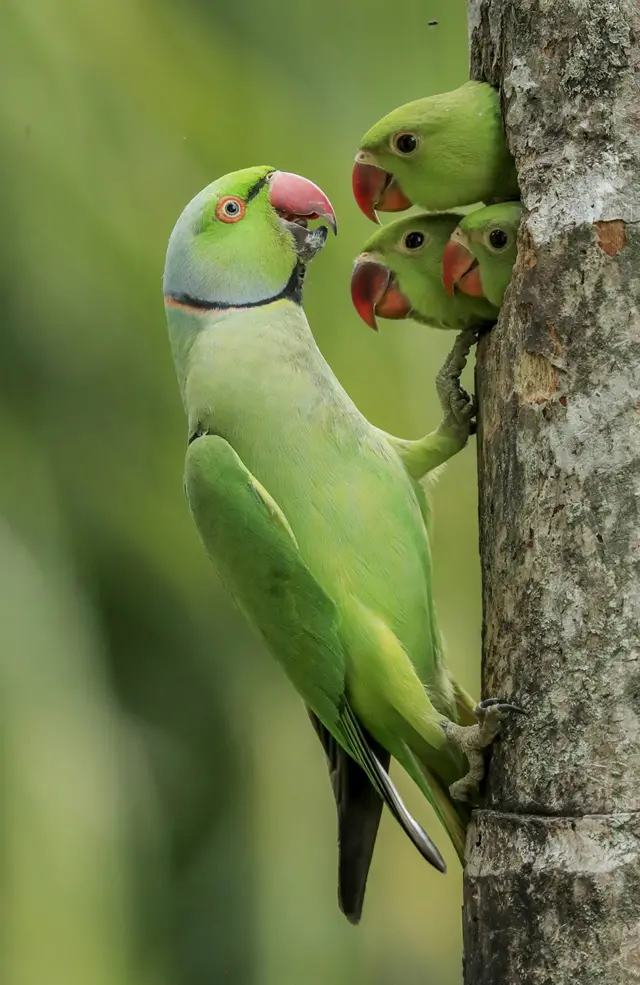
552 886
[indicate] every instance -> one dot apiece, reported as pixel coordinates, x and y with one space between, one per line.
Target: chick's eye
498 239
405 143
230 209
413 241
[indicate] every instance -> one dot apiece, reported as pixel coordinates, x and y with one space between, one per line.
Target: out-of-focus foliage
166 816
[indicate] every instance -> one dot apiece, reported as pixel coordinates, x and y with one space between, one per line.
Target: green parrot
479 257
440 152
314 519
399 275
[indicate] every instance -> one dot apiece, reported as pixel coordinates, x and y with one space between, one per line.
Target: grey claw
500 705
508 707
473 739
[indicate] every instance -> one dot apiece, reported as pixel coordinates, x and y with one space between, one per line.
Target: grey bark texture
552 884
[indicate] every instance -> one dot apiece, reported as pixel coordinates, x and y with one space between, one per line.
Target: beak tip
367 208
369 282
368 317
293 194
458 266
367 182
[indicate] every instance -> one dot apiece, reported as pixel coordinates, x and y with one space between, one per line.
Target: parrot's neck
234 360
292 290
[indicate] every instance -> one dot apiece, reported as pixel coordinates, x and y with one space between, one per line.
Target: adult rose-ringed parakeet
440 152
399 275
479 257
314 519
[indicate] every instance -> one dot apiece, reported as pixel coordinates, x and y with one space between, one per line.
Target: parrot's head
479 257
245 239
440 152
399 275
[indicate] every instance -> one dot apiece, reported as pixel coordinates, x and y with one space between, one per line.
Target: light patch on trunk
536 380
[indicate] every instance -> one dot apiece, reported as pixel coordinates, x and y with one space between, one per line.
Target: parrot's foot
458 407
474 739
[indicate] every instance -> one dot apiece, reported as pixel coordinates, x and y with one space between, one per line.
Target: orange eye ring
230 209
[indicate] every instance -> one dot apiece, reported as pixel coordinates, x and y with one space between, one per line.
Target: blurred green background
166 816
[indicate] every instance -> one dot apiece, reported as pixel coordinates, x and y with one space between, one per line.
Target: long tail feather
382 783
453 816
359 807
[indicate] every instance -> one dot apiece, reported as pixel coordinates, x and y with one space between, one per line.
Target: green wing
255 552
253 548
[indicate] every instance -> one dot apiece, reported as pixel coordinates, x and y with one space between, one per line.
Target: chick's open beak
294 197
374 189
374 292
460 268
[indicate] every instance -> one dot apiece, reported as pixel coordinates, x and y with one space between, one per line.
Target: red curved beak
375 190
375 292
460 268
295 197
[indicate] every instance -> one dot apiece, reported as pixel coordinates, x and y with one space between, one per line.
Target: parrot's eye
498 239
230 209
413 241
405 143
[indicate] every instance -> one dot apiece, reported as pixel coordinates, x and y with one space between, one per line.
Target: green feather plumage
462 155
419 272
495 264
308 512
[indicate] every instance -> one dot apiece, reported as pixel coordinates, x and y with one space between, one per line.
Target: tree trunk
552 886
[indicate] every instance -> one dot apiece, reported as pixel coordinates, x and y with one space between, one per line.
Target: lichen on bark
547 899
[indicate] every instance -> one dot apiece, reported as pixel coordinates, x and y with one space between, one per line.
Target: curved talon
500 705
488 702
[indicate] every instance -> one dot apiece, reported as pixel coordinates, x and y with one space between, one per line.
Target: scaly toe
468 738
461 790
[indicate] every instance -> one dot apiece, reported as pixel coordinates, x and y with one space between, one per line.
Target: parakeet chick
399 275
479 257
440 152
314 519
